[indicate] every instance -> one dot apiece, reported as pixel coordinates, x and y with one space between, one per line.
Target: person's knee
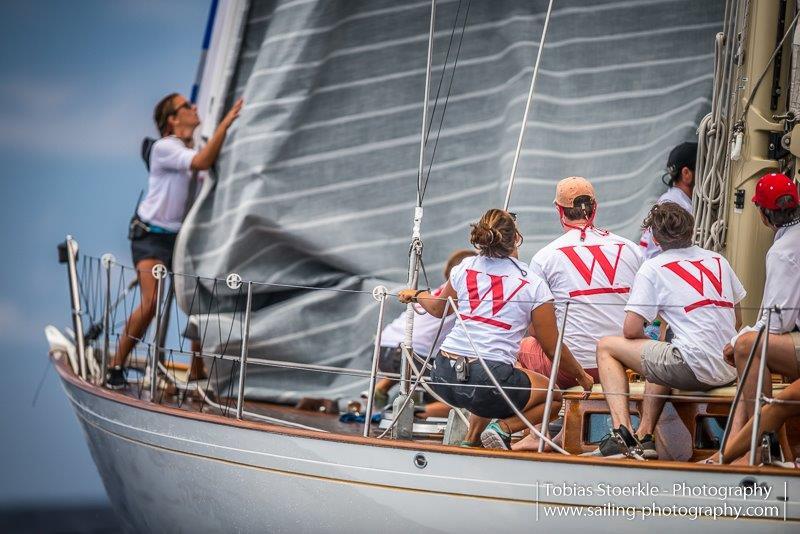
605 348
745 342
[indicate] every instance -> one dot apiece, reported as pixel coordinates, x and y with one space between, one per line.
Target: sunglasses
513 216
185 105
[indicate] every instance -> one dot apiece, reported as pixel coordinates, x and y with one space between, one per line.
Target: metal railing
157 350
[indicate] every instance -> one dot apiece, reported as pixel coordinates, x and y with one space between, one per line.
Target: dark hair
495 234
583 208
164 109
785 215
456 258
672 226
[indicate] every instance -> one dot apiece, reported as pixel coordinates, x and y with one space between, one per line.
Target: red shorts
532 357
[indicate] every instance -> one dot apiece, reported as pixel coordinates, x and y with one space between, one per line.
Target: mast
761 130
405 418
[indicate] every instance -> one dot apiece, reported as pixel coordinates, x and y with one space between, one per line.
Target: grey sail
317 180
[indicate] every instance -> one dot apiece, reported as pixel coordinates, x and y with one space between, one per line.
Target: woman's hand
233 114
406 295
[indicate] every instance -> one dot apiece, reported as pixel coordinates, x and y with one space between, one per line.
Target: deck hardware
159 273
245 343
762 368
738 394
107 260
378 293
420 461
548 403
69 251
233 281
738 200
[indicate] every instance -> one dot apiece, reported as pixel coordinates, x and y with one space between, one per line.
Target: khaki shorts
796 341
662 363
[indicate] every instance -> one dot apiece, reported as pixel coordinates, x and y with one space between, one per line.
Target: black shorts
390 359
481 401
154 246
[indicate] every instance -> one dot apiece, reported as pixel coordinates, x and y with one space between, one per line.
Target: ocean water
94 519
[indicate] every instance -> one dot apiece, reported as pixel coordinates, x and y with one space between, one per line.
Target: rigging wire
778 48
447 96
528 105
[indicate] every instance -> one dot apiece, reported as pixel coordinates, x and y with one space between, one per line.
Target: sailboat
286 263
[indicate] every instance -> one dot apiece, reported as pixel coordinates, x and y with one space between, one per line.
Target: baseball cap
773 186
571 188
683 155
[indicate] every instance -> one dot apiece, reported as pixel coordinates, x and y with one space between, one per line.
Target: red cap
773 186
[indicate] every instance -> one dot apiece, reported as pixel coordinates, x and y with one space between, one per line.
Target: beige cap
571 188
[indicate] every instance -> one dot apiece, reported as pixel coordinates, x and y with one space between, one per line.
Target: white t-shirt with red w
495 300
694 290
595 276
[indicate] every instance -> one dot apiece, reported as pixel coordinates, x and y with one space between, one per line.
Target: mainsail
317 181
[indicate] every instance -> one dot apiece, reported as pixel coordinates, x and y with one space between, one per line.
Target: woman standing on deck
498 298
173 162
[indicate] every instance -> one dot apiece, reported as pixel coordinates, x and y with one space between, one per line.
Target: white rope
528 105
710 198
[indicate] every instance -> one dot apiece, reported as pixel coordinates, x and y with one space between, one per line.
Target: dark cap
683 155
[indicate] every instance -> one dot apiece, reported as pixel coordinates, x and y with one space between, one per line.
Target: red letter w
698 282
498 297
598 258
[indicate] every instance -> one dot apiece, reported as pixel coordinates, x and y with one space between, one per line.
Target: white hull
170 472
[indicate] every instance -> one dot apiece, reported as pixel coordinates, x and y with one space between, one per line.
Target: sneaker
115 378
494 437
619 443
648 445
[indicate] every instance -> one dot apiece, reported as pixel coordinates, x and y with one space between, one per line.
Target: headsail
316 183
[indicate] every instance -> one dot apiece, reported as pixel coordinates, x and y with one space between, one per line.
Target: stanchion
107 260
159 273
762 367
379 293
548 404
738 395
243 354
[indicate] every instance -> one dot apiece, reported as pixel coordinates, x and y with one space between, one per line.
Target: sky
78 83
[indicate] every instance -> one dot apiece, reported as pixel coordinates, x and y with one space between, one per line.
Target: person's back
695 291
595 275
495 298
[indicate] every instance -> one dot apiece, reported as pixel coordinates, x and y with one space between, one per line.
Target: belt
456 356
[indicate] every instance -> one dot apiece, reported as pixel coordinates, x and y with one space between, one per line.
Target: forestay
317 180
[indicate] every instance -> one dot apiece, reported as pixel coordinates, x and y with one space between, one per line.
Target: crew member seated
697 293
773 416
590 268
426 327
679 180
777 200
498 298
